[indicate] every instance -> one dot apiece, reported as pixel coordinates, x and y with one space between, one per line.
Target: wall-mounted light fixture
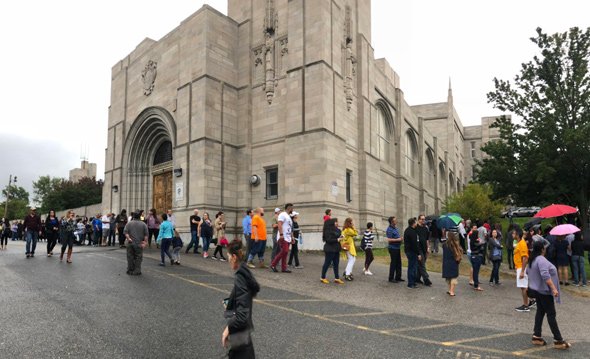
255 180
177 172
115 188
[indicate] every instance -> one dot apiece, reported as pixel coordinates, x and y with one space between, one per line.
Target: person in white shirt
462 235
106 227
171 218
285 235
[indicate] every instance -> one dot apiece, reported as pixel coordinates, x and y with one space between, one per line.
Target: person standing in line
394 241
112 230
543 281
462 235
68 225
508 243
32 226
295 242
435 236
452 255
97 230
195 221
205 231
247 231
14 230
275 237
330 237
106 227
578 260
238 307
412 250
423 233
121 221
561 247
476 257
521 257
52 231
220 234
165 239
259 239
136 234
5 233
348 247
153 223
285 235
176 247
20 230
327 214
482 235
171 218
367 246
495 243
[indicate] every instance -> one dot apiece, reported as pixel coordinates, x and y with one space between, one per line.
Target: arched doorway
149 149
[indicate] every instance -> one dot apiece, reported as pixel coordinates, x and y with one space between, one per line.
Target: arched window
411 154
451 183
442 179
384 131
430 172
458 185
163 153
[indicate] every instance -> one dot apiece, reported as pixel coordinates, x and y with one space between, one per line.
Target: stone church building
280 101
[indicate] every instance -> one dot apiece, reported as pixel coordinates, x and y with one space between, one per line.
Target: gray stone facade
288 88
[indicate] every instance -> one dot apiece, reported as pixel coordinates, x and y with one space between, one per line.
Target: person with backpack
367 246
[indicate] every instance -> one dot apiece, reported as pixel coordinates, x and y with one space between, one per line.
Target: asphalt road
92 309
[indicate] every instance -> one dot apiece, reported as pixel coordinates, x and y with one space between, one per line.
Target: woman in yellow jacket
348 248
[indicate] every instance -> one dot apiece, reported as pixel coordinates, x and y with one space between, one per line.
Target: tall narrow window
411 154
384 131
430 170
348 186
272 183
472 149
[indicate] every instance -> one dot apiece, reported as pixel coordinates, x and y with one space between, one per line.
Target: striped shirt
368 237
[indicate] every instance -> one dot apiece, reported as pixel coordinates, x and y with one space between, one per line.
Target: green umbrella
449 220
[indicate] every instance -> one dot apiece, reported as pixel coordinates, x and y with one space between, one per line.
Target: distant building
86 170
475 138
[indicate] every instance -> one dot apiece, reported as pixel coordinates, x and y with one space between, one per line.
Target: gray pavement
92 309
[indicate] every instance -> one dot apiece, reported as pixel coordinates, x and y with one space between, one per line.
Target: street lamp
10 181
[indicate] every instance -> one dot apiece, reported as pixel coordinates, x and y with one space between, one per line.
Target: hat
293 214
277 210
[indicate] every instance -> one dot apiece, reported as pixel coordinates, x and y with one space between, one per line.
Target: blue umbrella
449 220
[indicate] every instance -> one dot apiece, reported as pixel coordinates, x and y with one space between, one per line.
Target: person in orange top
521 256
258 238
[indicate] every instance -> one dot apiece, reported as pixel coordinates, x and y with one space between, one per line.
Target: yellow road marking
355 314
492 336
433 326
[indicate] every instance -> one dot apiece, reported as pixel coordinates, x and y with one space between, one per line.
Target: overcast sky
57 55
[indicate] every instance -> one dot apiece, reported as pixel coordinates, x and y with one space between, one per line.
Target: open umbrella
555 210
449 220
564 229
528 225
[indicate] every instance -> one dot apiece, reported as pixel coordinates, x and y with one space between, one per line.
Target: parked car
525 211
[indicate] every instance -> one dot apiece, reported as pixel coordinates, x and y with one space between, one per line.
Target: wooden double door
162 192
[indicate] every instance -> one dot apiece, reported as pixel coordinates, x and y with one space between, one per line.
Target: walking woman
348 247
165 239
68 226
544 283
220 235
476 257
452 255
367 246
153 223
331 236
5 233
238 307
295 242
206 232
563 261
52 231
495 243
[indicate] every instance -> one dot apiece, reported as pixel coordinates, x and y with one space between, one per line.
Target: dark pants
257 249
495 277
368 257
412 268
484 249
134 258
67 242
111 239
294 253
194 242
282 255
546 305
218 249
422 273
476 264
249 243
331 258
152 232
275 248
510 259
462 242
165 249
97 237
395 266
121 237
51 241
246 352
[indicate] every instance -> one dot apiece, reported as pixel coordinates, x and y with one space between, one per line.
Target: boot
261 265
61 256
69 260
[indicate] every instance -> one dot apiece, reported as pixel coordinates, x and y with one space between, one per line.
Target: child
367 246
176 247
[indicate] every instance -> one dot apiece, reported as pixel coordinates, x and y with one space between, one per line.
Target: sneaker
532 303
368 272
251 265
205 255
428 283
298 267
325 281
286 271
561 344
162 264
338 281
583 285
523 308
223 259
214 258
348 278
274 269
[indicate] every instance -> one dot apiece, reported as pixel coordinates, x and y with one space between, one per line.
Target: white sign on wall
334 189
179 191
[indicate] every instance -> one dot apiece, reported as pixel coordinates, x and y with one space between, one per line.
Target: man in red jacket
32 226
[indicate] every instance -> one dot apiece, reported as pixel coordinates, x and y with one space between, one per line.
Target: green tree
544 158
17 208
475 201
42 188
16 192
68 194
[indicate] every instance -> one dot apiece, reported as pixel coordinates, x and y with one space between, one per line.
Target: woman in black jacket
238 306
476 257
52 231
331 237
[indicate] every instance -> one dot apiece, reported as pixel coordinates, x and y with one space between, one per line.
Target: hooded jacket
239 305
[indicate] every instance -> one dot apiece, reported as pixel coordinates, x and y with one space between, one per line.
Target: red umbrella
556 210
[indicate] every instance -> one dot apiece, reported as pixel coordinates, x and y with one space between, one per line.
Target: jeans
546 305
194 242
134 258
32 237
368 257
395 266
121 238
334 259
435 241
412 268
249 242
476 264
257 249
579 270
97 236
510 257
294 253
495 277
281 255
165 249
206 243
176 254
422 273
111 241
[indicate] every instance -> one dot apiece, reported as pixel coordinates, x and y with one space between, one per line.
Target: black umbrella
431 217
532 222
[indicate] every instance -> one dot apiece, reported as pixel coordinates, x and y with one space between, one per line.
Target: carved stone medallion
148 75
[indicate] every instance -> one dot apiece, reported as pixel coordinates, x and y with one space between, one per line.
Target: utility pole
8 195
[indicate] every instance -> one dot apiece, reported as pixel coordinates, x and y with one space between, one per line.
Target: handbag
223 241
239 339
